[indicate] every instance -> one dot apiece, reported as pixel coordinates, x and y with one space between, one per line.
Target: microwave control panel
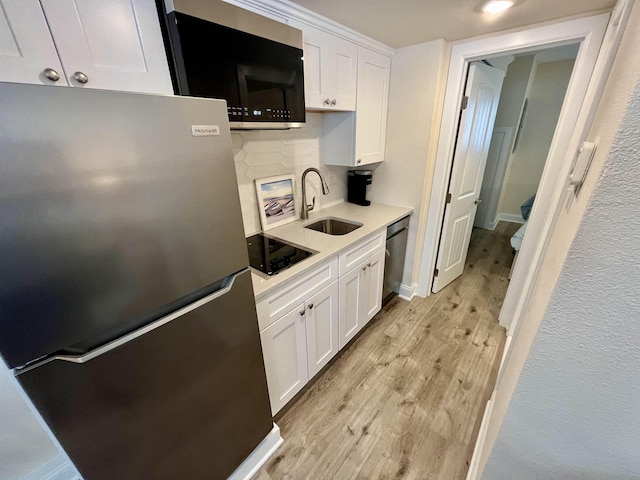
248 113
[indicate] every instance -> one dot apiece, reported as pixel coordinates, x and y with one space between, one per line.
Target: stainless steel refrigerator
126 305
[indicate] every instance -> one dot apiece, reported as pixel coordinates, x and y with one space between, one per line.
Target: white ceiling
399 23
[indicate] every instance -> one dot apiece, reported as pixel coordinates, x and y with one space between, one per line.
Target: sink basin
333 226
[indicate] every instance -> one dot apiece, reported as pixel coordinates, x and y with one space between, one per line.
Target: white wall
265 153
526 164
515 88
401 178
574 412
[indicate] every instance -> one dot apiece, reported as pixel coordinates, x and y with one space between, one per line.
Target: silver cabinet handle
359 161
310 306
51 74
364 268
301 312
333 102
368 264
477 201
80 77
327 101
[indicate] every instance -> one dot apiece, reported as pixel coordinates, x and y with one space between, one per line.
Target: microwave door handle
147 328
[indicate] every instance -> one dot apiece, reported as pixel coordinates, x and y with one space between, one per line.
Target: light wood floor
405 401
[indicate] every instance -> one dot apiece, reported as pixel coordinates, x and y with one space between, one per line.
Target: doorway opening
506 126
575 114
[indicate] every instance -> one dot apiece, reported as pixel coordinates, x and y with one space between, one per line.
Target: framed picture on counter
276 200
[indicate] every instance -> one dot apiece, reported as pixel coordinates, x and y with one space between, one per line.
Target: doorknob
477 201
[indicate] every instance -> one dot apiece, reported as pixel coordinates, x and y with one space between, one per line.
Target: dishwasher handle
397 227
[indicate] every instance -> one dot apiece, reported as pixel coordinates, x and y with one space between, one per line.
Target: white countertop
374 218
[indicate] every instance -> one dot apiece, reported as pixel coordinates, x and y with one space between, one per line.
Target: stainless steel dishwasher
394 261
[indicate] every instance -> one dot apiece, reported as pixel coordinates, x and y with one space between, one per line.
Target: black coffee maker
357 181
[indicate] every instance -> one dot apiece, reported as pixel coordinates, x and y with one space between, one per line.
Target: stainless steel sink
333 226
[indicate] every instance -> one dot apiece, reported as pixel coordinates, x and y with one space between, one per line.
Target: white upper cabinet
107 44
110 44
357 139
27 52
373 98
330 70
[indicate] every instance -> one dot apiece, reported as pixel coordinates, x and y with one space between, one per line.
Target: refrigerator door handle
147 328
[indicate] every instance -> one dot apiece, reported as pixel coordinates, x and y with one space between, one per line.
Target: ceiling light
497 6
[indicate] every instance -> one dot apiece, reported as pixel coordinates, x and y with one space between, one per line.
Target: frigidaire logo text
205 130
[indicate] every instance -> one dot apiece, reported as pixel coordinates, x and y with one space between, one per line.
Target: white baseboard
59 468
406 292
259 456
509 217
56 468
474 465
507 346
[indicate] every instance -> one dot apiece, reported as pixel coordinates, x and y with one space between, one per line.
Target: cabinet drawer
356 254
274 306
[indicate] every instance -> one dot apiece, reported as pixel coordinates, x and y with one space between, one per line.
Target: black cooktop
270 255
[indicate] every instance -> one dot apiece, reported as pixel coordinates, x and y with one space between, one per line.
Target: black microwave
262 80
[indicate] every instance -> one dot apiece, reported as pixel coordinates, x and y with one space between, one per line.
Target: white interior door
474 137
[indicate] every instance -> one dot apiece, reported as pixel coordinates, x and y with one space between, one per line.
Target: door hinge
465 103
448 200
436 272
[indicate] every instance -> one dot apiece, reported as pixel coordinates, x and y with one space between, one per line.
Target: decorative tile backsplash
266 153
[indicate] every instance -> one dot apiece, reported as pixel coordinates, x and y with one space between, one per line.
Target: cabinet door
317 65
322 328
374 276
110 44
284 347
26 46
373 97
351 315
344 57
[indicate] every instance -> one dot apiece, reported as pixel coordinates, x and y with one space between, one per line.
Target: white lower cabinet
298 345
351 286
284 346
305 323
360 295
372 291
322 328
